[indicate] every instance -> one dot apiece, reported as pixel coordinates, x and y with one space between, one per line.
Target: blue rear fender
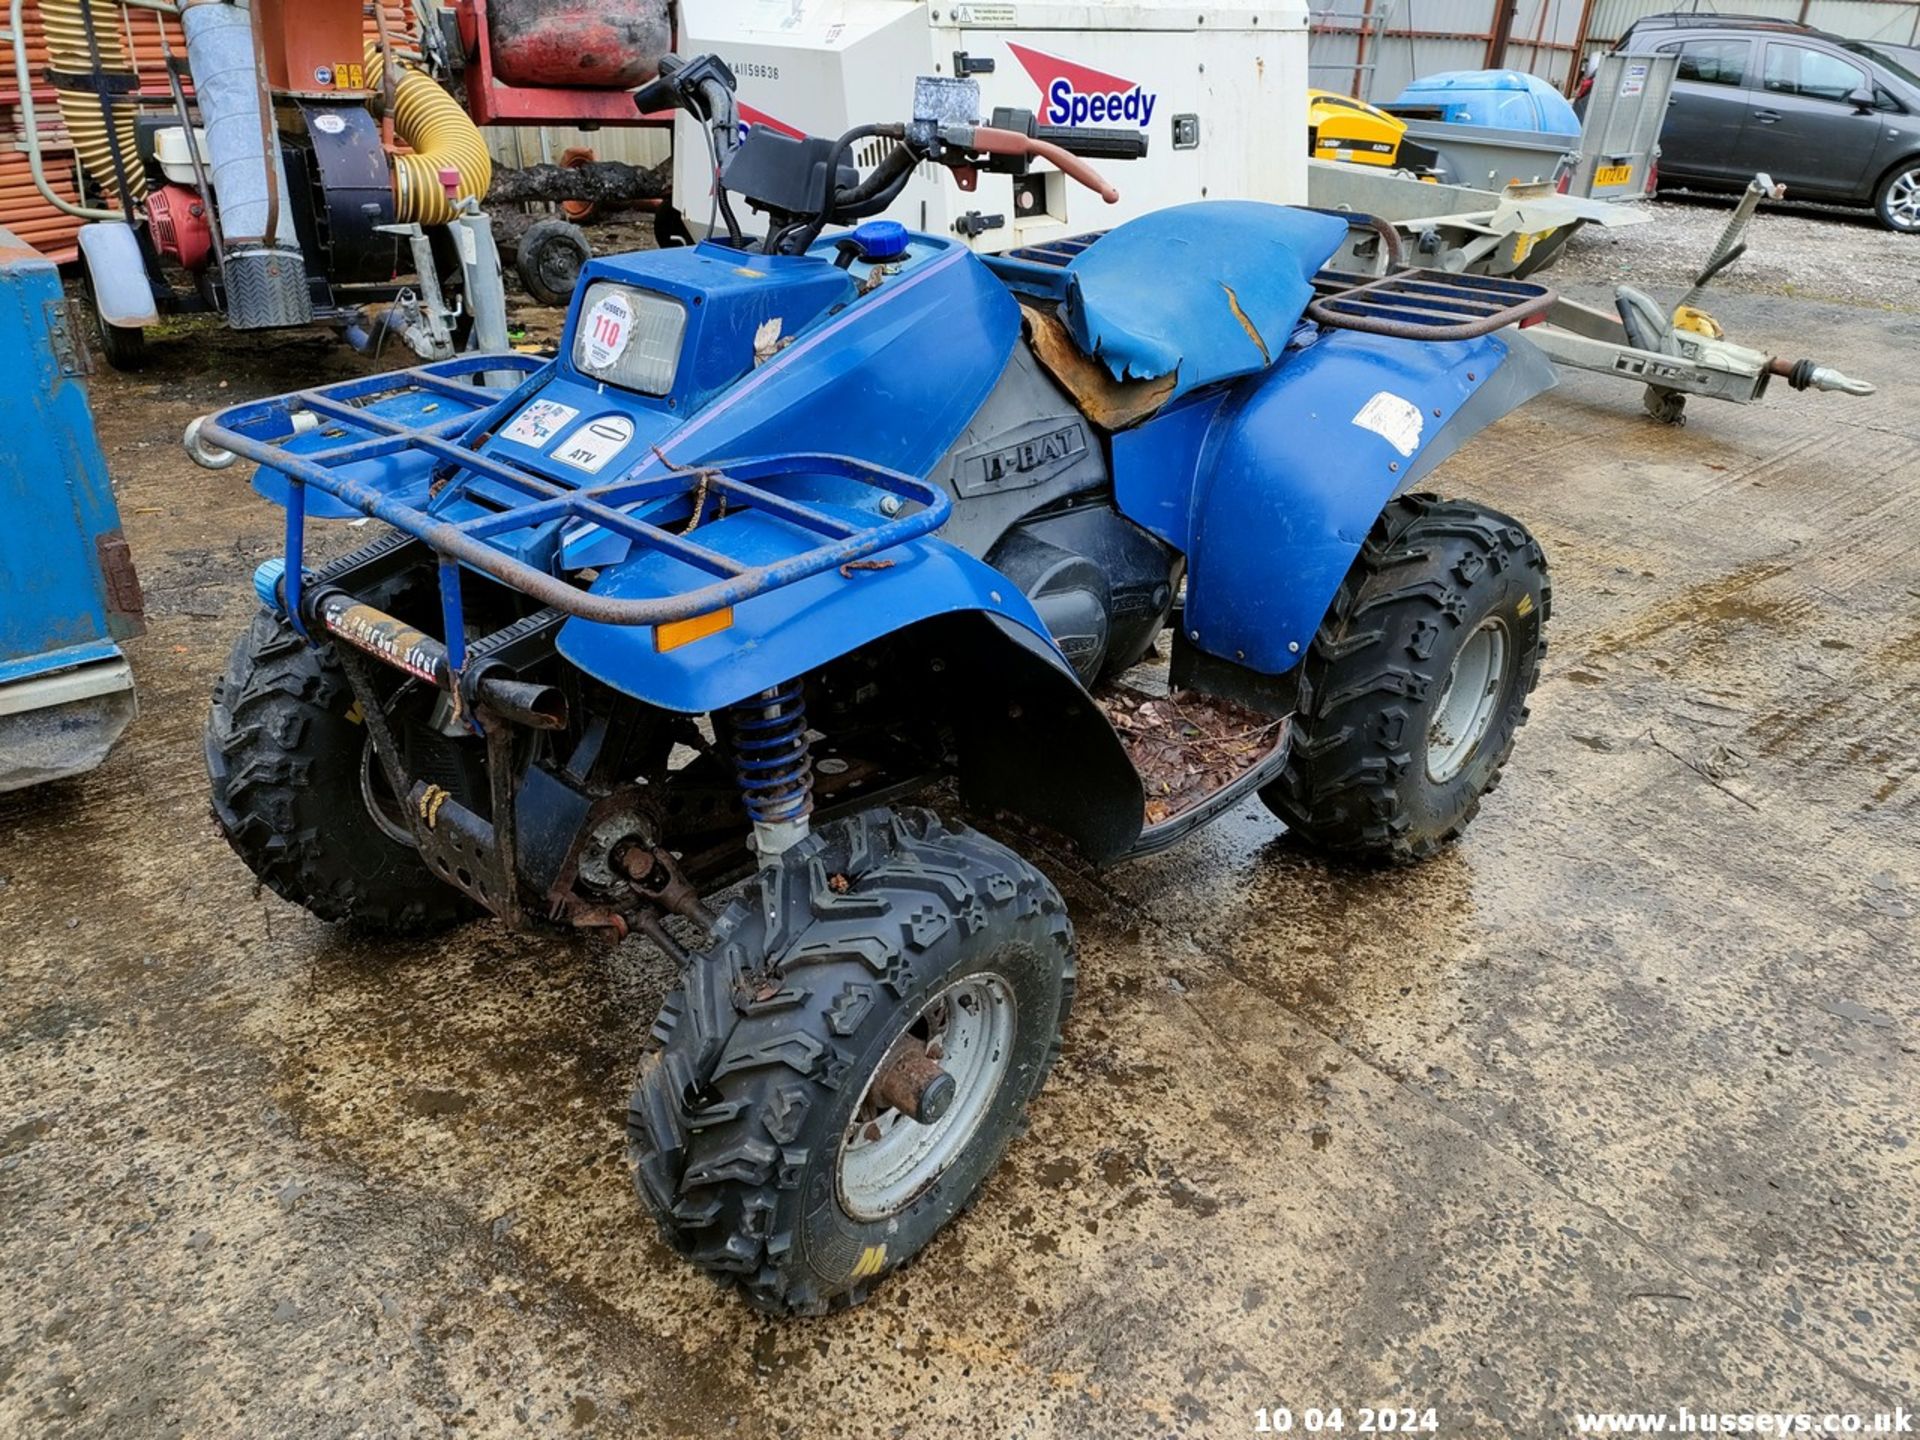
1271 487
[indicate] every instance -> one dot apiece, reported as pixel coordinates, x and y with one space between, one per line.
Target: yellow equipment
1342 128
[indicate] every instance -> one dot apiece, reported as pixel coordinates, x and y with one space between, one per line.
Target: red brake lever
990 141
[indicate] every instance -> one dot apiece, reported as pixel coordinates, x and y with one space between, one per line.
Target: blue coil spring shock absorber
770 756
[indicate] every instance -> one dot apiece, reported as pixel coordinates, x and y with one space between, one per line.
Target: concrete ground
1611 1106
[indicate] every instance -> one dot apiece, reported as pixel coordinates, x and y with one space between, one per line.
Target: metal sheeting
1895 21
1372 48
523 145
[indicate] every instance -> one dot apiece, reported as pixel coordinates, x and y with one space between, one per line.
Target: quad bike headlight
629 337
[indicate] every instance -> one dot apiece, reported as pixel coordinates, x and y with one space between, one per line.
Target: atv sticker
539 423
1074 94
591 446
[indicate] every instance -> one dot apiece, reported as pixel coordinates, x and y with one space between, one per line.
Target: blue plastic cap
266 581
881 239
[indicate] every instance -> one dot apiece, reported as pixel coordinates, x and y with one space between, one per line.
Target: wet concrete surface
1611 1106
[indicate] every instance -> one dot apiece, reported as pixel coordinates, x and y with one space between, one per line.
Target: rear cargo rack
1425 304
261 430
1408 304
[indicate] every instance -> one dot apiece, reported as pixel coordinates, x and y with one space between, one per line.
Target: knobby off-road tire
768 1048
1432 575
284 749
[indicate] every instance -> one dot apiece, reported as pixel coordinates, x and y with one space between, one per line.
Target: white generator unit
1221 95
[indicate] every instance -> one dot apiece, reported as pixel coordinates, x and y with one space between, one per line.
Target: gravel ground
1814 252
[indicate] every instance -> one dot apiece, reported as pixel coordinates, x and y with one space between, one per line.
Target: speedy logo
1074 94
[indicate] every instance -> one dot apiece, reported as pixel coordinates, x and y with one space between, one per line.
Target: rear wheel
1416 682
841 1072
1897 201
303 800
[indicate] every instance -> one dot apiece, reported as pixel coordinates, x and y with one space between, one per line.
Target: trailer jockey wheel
843 1069
1416 682
549 260
1669 407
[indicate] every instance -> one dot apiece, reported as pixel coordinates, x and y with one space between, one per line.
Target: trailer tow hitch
1682 351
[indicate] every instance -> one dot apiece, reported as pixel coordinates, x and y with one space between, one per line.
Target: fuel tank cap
881 240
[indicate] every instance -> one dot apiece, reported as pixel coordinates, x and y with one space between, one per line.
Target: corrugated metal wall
1897 22
1372 48
530 145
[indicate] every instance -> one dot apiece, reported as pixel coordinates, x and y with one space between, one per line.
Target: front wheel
1416 682
842 1070
1897 200
301 797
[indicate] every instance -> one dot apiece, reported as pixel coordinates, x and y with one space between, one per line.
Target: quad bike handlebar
986 140
943 132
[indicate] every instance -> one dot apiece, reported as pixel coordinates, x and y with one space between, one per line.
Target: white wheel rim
1903 201
888 1160
1469 702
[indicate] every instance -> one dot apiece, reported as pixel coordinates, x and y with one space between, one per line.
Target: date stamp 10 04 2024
1345 1420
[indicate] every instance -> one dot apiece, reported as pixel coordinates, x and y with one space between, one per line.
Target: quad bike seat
1172 301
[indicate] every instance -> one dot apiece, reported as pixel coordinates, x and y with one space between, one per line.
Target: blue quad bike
801 525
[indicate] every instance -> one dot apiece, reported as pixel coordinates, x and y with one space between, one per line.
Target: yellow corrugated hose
66 30
441 136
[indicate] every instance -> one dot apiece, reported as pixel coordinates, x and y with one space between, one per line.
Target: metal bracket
973 224
63 325
965 64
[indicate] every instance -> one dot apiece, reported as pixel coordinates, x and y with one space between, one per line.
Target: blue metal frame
260 430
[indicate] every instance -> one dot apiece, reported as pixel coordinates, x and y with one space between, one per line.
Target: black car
1831 119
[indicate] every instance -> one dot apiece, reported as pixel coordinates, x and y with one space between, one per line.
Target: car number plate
1613 175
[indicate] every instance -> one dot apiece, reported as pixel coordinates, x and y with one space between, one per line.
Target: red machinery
560 62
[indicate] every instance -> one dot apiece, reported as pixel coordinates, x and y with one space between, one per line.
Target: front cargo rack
261 431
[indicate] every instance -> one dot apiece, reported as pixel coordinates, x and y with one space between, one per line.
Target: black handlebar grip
1095 144
659 93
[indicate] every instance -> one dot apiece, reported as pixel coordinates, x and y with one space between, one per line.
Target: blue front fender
1273 506
788 631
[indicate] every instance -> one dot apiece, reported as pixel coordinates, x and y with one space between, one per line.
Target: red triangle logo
752 116
1045 69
